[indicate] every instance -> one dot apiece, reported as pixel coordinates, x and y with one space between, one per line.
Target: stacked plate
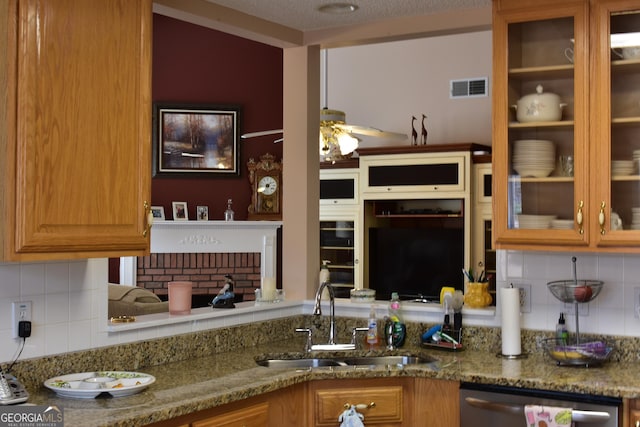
636 160
621 167
562 224
536 222
635 218
533 157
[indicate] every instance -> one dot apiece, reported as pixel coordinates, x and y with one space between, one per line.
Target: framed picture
196 139
158 213
180 212
202 213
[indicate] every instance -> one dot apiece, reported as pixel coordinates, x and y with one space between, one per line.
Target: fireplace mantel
211 237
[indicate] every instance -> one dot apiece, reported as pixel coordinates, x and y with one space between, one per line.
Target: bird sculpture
423 138
414 133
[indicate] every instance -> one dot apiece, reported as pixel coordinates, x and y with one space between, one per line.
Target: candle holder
278 296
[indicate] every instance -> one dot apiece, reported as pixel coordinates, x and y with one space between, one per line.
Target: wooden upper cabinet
565 49
76 131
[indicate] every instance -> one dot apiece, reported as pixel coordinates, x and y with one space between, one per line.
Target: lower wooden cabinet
384 402
633 406
281 408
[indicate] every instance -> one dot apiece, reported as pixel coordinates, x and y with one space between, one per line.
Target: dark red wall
195 64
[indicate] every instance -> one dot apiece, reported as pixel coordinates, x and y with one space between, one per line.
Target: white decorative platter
88 385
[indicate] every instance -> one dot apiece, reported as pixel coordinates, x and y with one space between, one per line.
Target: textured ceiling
304 15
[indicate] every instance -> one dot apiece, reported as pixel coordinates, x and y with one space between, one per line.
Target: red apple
582 293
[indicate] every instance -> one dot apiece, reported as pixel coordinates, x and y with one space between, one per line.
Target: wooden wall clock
265 178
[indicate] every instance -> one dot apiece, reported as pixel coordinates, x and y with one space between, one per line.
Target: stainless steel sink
299 363
345 361
387 360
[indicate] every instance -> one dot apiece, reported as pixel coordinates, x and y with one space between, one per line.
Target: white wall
611 313
383 85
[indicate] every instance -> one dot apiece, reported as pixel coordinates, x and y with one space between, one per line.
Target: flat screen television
415 261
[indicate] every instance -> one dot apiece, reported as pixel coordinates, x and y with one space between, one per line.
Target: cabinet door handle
147 209
580 217
360 406
601 218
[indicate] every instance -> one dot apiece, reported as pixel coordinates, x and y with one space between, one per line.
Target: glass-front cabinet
566 124
616 121
338 248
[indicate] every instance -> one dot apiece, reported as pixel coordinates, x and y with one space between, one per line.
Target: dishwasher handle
506 408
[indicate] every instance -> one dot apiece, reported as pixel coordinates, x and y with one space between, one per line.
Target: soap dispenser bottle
561 329
372 328
324 272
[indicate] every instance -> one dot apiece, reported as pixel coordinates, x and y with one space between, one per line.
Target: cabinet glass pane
336 246
337 188
625 121
541 124
432 174
489 258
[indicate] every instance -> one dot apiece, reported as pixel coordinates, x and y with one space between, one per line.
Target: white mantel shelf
211 237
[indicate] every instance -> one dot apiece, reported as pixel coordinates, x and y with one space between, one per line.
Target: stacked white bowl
636 160
621 167
534 157
635 218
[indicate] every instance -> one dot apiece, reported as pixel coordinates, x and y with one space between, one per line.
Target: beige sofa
134 301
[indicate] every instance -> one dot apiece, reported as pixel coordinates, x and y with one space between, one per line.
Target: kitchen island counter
205 382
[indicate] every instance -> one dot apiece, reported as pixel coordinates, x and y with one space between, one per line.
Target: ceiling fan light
347 143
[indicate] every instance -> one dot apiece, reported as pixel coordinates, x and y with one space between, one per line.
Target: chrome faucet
317 310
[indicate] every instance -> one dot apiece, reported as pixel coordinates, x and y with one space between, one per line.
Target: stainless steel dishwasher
488 406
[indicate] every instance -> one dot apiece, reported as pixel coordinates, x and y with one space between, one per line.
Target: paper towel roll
510 304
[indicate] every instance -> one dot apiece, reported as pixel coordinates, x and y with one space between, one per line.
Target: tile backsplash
69 299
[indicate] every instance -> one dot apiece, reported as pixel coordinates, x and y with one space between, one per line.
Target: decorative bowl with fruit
566 352
572 291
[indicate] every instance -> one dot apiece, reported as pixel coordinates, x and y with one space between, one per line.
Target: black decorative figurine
424 132
414 133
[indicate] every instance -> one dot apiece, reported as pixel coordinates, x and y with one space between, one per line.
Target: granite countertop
204 382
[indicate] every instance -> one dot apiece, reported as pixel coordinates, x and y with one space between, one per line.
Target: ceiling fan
338 139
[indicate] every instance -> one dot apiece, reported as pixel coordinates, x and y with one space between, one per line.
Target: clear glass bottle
228 214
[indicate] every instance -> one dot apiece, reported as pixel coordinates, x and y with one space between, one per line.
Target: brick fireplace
204 252
205 270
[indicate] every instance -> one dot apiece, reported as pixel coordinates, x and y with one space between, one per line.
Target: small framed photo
158 213
180 212
203 213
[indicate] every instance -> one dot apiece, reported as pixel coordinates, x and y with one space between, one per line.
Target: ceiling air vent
468 88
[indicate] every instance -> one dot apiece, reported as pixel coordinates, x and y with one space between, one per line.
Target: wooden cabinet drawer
384 404
251 416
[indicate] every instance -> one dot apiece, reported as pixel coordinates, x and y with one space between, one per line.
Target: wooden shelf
434 216
549 179
531 125
547 72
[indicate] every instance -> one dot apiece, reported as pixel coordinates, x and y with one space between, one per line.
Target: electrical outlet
21 311
525 298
